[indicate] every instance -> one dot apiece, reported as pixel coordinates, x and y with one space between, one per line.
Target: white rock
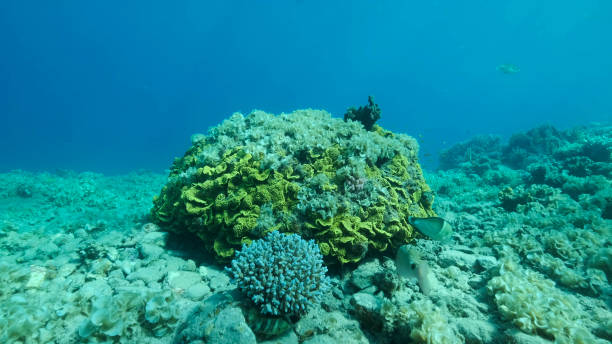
518 337
363 275
484 263
37 276
197 291
127 266
112 253
333 325
148 274
461 259
365 303
150 227
101 266
66 270
190 265
477 331
150 251
288 338
219 281
183 279
155 238
95 288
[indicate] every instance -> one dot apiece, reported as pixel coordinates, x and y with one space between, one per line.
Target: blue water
115 86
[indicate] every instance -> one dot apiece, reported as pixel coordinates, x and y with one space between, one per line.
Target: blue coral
282 274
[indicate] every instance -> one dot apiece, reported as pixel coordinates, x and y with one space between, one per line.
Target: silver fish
409 265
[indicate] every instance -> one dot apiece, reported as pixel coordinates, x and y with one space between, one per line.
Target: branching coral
282 274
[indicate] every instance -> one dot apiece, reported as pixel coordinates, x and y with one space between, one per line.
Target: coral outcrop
349 189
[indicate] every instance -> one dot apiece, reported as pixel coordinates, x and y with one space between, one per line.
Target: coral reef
349 189
544 215
577 161
529 261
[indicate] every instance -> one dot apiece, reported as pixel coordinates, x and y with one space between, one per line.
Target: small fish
409 265
434 227
508 68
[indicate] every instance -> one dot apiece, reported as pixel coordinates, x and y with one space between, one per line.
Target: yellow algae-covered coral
349 189
222 203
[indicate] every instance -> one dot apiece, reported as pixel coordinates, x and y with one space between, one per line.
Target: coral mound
349 189
282 274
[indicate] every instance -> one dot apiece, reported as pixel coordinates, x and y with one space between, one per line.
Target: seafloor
530 260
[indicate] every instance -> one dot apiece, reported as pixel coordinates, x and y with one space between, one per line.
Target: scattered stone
155 238
100 266
217 280
363 276
460 259
91 251
366 308
197 291
182 279
230 327
37 276
189 265
387 281
116 273
95 288
320 339
485 263
515 336
153 273
477 331
174 263
288 338
150 227
333 325
477 282
66 270
112 254
365 303
127 266
217 320
150 251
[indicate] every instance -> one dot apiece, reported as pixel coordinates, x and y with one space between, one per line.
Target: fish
434 227
508 68
409 265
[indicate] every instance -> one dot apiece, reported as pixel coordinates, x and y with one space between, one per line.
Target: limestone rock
197 291
477 331
183 279
37 276
363 276
216 320
150 251
460 259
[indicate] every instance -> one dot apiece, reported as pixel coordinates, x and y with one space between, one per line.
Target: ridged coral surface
349 189
282 274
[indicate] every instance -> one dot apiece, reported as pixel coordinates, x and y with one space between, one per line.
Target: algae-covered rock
366 115
349 189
